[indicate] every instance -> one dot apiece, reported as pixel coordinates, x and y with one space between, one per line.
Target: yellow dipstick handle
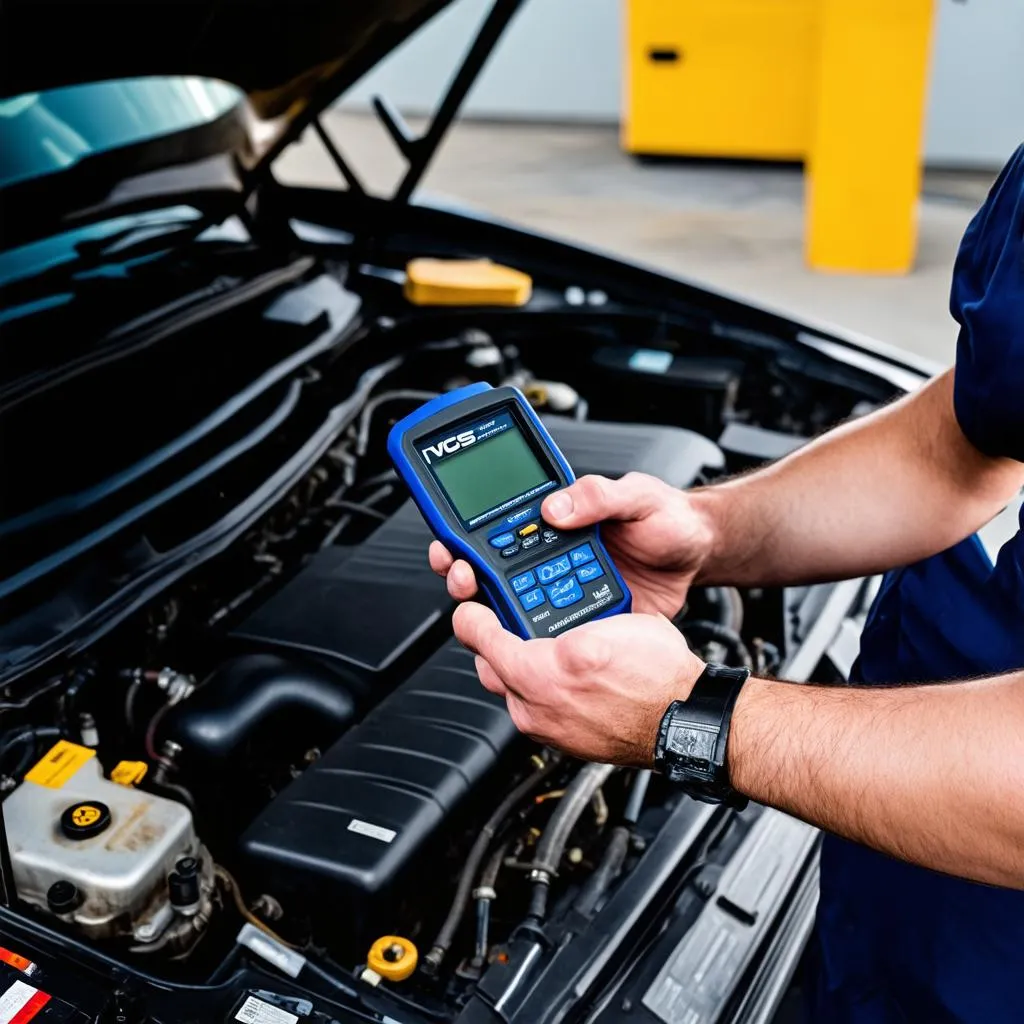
393 958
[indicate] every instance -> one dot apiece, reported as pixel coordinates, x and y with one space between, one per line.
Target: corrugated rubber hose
432 961
578 795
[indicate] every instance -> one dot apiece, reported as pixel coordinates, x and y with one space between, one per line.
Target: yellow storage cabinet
725 78
864 165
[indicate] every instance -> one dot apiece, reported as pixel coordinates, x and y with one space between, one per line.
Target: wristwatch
694 733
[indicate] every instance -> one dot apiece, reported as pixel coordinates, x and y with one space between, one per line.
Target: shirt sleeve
987 301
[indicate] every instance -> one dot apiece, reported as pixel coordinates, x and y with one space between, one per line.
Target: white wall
559 59
562 60
976 111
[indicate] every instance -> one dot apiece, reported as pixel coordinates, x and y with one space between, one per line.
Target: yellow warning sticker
85 815
59 764
129 773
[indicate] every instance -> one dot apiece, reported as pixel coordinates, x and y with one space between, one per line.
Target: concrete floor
736 227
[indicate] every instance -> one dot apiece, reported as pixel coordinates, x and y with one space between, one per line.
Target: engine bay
286 739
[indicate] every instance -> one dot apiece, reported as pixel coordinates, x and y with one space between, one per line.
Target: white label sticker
255 1011
650 360
15 999
365 828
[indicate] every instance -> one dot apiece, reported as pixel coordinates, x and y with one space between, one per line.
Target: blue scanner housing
479 462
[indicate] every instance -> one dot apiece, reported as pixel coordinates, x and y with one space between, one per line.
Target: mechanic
918 772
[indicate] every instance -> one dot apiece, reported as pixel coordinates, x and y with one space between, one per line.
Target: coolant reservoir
93 851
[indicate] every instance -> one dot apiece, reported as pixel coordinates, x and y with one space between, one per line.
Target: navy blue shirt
900 944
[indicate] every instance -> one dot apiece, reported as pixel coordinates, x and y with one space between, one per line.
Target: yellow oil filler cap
391 958
430 282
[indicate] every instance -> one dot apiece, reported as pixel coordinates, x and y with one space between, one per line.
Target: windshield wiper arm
140 240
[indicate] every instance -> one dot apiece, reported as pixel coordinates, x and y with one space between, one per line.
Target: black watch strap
694 735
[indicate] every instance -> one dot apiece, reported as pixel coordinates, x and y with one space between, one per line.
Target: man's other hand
597 692
653 533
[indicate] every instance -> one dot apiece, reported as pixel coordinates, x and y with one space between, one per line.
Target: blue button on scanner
554 570
503 540
581 555
532 599
565 593
589 573
523 582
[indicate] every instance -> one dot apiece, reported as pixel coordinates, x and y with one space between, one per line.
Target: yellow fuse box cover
430 282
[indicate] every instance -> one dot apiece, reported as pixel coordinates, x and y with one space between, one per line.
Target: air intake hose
247 694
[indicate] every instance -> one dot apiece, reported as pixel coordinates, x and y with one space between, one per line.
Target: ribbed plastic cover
362 606
672 454
355 821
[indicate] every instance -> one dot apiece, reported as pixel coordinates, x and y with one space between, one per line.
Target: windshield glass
44 132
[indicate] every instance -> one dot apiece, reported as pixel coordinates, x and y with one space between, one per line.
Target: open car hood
291 59
286 56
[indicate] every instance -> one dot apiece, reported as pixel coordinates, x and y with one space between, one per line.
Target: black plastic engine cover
358 819
671 454
362 606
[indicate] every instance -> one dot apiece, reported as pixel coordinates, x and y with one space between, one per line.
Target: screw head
170 749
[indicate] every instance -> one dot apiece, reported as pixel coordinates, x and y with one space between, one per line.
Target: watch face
691 746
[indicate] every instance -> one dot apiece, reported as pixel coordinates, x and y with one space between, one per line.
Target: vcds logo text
449 446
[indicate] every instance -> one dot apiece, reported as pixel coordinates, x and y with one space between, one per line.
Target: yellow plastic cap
393 958
430 282
129 773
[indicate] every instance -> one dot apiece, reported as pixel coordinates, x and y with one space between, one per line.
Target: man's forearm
929 774
886 490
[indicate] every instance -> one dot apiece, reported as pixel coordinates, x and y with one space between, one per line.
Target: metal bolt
170 749
267 908
177 685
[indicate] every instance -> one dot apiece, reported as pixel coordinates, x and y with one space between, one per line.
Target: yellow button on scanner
528 531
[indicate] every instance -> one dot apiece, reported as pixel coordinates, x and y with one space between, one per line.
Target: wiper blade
75 250
140 240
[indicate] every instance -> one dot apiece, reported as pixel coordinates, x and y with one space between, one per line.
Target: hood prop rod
418 152
351 179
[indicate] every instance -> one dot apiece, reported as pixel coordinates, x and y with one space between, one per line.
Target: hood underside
285 56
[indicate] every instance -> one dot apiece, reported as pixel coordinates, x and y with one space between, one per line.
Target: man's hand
652 531
597 692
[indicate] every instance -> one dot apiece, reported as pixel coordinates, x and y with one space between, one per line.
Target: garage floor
736 227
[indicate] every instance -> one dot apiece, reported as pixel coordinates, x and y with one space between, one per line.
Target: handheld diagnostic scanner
479 463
